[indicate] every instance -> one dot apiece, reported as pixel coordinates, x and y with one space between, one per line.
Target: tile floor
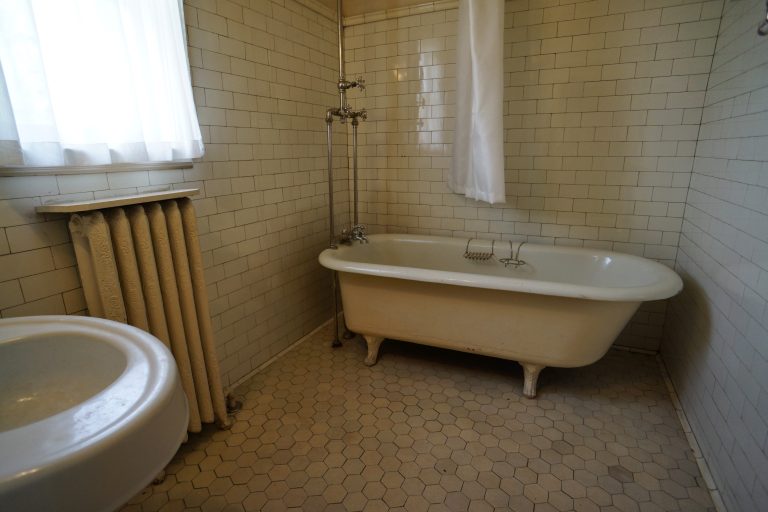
434 430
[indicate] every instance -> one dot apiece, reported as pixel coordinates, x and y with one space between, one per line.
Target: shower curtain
477 169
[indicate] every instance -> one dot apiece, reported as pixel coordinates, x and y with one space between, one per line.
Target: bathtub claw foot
531 374
374 343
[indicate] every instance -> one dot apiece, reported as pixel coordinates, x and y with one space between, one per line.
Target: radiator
142 265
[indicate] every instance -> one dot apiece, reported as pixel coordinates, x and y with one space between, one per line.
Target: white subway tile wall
716 340
263 74
603 101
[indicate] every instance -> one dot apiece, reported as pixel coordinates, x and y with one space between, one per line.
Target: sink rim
67 348
101 422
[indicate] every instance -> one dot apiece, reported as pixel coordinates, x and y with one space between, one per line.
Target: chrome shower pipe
356 218
329 138
343 112
342 77
332 232
357 232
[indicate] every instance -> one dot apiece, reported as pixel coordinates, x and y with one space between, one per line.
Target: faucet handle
358 232
346 236
360 82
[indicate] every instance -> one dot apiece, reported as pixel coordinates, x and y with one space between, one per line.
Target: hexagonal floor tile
433 430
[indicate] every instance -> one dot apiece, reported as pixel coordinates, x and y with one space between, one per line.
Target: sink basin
90 412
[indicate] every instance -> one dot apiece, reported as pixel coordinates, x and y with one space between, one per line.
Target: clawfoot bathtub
563 307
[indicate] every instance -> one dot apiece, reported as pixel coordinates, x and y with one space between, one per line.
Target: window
95 82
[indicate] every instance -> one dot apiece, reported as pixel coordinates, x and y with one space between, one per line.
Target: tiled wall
716 341
603 101
263 77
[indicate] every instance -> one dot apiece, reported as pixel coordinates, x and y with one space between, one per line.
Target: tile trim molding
232 387
13 171
701 462
390 14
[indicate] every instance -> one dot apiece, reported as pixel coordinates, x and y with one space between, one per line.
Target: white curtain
477 169
93 82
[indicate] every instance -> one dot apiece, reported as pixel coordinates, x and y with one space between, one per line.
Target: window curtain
95 82
477 168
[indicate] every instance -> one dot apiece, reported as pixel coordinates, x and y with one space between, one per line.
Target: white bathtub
563 308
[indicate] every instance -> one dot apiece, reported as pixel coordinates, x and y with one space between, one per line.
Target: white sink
90 412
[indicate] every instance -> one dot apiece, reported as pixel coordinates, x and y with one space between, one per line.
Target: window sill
10 170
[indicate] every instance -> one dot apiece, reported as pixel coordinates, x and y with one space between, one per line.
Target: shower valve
343 85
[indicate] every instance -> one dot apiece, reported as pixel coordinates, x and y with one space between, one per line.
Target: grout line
277 356
635 350
319 9
701 462
696 146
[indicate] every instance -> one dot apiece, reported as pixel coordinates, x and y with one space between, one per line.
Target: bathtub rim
666 285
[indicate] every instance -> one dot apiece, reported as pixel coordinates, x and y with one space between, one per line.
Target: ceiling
356 7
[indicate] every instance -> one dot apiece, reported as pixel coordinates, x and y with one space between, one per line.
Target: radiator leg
374 343
233 404
531 373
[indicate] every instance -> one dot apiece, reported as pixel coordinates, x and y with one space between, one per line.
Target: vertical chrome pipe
354 171
342 76
341 39
332 232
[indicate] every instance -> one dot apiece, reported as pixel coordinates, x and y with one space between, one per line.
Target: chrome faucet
356 233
